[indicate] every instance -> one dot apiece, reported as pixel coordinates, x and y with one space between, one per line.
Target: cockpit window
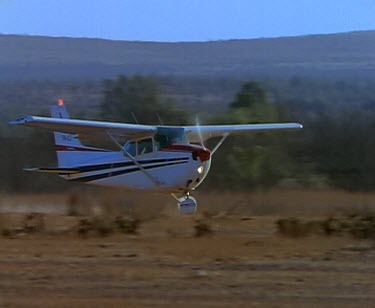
145 146
139 147
165 136
131 148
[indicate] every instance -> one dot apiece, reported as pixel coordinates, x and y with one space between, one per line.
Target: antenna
161 122
135 119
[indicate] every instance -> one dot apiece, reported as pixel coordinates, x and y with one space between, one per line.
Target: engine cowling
203 154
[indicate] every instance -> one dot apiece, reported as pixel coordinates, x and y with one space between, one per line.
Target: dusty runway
243 263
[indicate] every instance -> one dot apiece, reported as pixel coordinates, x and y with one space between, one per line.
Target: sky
184 20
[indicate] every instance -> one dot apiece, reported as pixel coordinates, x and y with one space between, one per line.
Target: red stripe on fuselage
182 148
196 150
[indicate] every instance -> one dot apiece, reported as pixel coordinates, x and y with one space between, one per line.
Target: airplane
167 159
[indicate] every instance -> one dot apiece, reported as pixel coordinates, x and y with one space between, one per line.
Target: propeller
201 141
212 152
204 153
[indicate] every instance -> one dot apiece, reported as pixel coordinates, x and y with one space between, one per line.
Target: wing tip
21 121
31 169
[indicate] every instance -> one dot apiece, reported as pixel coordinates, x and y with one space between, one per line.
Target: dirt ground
244 262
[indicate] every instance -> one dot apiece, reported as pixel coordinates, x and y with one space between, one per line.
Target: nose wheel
186 204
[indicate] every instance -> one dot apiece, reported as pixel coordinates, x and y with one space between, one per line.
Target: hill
337 55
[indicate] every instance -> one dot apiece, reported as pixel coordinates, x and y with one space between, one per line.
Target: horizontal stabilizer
54 170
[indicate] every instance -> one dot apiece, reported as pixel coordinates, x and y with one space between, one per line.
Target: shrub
34 222
102 226
292 227
331 226
96 226
84 226
6 232
127 225
362 227
201 228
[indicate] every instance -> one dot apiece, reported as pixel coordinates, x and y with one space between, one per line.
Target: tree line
334 150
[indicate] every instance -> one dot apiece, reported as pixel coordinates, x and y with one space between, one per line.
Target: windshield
168 135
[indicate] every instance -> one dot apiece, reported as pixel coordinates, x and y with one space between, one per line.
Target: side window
156 145
131 148
145 146
162 139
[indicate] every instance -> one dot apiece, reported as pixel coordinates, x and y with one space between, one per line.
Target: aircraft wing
86 127
210 131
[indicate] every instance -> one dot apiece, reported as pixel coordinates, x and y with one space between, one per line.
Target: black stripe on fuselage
108 174
91 168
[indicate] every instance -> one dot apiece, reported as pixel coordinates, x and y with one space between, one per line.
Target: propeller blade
199 132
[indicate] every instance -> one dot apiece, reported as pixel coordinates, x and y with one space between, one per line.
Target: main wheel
187 205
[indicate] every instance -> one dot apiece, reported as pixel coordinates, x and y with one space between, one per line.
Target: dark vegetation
202 228
359 226
103 226
334 150
34 223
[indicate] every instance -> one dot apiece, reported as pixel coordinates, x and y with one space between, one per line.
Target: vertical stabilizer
69 149
68 146
63 140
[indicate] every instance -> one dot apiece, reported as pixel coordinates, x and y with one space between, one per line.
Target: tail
69 148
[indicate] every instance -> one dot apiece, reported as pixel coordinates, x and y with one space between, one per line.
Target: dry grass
115 249
124 211
242 263
358 226
103 212
287 203
145 207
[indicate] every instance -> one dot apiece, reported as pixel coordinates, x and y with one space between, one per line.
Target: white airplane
168 159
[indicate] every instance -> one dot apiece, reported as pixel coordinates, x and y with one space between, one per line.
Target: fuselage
178 167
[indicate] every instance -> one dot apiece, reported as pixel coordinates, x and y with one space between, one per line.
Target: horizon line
191 41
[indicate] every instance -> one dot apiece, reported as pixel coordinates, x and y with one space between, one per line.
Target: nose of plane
203 154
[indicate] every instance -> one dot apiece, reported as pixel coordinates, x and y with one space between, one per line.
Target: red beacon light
60 102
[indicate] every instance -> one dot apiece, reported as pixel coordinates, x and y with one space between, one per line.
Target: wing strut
128 155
